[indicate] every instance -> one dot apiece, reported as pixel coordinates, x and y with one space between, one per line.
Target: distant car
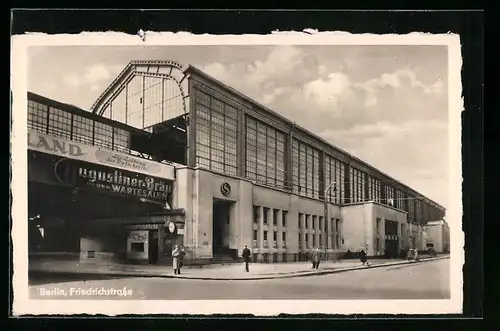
431 252
412 255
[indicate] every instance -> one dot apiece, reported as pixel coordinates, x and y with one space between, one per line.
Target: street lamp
326 219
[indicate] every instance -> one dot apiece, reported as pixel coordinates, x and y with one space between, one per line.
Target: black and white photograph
301 169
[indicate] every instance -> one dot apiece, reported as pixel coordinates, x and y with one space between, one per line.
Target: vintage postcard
287 173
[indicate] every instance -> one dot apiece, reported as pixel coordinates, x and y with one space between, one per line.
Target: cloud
71 79
327 91
402 78
92 76
415 151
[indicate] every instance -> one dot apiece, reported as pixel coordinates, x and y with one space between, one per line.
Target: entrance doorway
153 247
392 239
391 248
221 231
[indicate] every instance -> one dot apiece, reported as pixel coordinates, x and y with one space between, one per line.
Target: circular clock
171 227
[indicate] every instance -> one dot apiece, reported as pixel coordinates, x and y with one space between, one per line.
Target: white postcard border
22 304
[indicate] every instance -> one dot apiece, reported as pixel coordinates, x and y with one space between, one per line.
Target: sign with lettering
143 226
225 189
63 147
124 182
138 236
125 161
73 150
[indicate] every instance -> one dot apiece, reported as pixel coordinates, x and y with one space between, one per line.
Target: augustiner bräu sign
128 183
114 180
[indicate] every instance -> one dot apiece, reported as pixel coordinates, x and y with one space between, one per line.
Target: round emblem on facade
225 188
171 227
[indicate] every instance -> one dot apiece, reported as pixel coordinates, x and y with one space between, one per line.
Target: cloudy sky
385 104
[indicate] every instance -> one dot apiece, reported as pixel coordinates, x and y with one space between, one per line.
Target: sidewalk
258 271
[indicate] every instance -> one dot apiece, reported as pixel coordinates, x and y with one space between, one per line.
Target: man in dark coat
316 258
246 257
362 257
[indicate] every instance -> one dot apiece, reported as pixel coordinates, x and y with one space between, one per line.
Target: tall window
283 218
216 124
399 200
103 135
256 214
305 169
389 195
63 123
418 210
83 130
265 212
275 216
357 185
60 123
37 116
121 140
411 209
265 153
334 173
373 189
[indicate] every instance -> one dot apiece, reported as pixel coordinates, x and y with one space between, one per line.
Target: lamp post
326 219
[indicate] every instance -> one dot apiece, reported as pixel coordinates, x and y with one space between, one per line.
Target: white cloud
92 76
96 73
71 79
415 151
326 92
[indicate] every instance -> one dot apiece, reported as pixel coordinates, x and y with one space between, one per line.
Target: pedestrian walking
363 258
176 252
316 258
246 257
182 253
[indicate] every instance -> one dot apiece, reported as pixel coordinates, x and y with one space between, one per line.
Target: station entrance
222 229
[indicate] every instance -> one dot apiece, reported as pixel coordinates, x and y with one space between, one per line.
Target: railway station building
169 155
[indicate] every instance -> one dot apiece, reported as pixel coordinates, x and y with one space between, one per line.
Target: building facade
438 236
245 175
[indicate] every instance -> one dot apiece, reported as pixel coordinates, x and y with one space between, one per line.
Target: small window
256 214
266 214
254 234
275 236
283 236
275 216
137 247
265 235
283 219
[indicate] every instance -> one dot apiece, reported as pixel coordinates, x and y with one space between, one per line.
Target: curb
267 277
306 273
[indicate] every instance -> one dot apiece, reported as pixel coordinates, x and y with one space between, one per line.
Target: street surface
425 280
